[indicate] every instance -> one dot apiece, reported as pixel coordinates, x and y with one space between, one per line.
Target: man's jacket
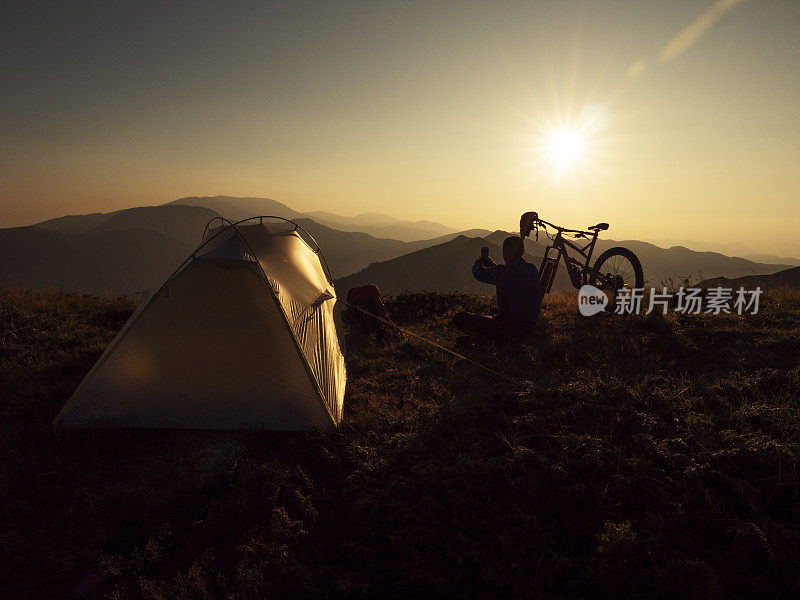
519 295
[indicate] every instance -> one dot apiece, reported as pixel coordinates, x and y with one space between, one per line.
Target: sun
565 148
568 148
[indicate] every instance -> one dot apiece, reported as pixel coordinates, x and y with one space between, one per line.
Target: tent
243 335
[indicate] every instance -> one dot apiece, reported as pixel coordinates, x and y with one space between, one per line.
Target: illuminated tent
242 335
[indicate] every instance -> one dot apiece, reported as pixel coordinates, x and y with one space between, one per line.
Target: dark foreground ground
643 457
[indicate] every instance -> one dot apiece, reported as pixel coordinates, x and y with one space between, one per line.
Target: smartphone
484 252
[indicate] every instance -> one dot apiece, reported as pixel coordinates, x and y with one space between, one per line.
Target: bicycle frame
578 272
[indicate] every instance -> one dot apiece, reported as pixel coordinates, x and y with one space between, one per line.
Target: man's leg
479 325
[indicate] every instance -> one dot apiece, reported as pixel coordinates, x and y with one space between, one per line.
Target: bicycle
615 269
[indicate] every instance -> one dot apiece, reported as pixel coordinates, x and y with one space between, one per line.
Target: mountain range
122 252
133 250
446 266
740 249
375 224
441 268
788 278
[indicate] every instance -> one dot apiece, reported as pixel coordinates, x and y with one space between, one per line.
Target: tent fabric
244 335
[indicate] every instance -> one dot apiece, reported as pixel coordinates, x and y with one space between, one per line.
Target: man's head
513 247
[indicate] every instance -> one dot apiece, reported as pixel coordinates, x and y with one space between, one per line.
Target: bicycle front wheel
617 268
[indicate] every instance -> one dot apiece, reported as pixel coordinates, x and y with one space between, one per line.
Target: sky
670 119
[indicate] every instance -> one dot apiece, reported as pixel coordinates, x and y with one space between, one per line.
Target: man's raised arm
486 273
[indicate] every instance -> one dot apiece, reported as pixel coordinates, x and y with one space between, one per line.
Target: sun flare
565 148
568 148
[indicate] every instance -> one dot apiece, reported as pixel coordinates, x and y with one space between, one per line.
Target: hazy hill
444 267
168 231
773 259
788 278
118 253
185 223
532 247
236 209
385 226
346 248
659 264
74 223
757 251
112 261
407 231
730 249
375 224
349 251
470 233
662 264
368 218
345 251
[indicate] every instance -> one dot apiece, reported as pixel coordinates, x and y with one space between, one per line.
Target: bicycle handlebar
566 230
529 220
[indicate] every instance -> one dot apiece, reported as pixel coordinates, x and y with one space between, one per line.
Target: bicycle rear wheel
617 268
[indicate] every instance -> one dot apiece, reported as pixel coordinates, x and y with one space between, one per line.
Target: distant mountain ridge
122 252
662 266
375 224
146 243
447 266
350 251
75 223
773 259
788 278
236 209
444 267
96 262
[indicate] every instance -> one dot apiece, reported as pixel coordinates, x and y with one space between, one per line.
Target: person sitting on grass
519 296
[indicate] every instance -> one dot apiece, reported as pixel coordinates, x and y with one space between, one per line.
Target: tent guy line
434 344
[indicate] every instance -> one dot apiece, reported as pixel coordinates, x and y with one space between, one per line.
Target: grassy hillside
651 457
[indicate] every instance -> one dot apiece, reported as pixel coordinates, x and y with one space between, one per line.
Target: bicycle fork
547 272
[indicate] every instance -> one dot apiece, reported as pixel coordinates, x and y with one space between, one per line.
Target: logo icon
591 300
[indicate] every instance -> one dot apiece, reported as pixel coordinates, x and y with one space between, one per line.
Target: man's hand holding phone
485 260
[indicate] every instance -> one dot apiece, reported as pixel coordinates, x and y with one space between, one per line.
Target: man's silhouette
519 296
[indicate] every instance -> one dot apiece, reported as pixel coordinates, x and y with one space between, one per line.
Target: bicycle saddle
599 227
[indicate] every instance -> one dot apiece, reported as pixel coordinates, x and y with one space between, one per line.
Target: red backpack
362 322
